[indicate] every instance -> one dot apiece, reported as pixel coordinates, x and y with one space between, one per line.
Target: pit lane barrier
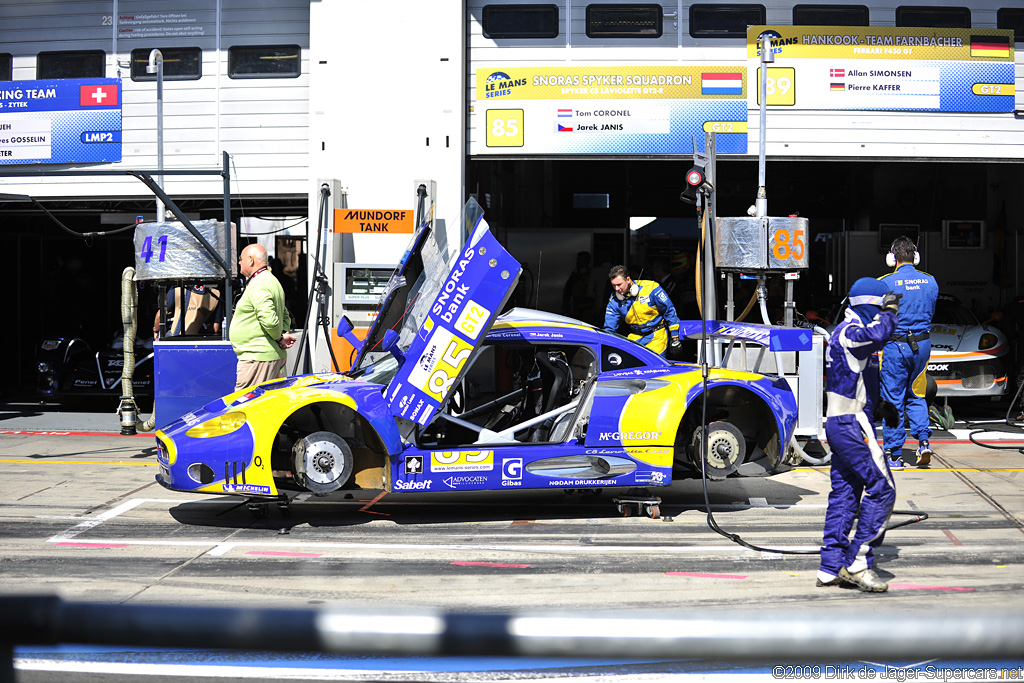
805 636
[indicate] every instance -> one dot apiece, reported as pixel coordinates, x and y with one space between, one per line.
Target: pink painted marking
92 545
281 553
922 587
490 564
32 432
700 575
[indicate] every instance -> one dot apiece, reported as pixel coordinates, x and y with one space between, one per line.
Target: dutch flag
721 84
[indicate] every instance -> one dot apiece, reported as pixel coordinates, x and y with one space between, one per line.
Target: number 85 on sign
505 127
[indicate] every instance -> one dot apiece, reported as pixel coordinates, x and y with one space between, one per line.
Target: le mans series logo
499 84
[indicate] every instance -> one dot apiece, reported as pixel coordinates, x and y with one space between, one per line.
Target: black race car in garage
69 370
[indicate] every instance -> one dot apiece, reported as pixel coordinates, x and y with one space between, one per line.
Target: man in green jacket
259 327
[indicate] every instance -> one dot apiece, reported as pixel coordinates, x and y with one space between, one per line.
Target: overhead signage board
885 68
387 221
60 121
604 110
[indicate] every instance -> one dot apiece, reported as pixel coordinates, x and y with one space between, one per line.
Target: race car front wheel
322 462
726 449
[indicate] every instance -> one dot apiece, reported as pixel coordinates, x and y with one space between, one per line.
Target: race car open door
448 315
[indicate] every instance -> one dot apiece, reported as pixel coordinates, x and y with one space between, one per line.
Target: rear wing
770 338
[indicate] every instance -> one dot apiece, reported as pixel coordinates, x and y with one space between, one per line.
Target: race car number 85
440 363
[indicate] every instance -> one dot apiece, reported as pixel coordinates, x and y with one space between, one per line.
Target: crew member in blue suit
905 356
644 308
862 485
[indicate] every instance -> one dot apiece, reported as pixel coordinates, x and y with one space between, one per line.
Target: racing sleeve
863 340
668 311
612 315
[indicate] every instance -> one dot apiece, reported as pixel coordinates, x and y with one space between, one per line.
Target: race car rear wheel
322 462
726 449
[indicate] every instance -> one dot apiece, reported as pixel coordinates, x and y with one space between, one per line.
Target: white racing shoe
866 580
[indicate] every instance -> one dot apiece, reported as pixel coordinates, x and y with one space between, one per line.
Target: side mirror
390 344
345 328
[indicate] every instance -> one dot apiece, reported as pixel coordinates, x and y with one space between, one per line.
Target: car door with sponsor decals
446 322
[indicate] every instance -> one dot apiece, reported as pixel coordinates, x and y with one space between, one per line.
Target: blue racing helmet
866 297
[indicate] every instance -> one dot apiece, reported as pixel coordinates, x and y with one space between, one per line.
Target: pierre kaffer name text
932 672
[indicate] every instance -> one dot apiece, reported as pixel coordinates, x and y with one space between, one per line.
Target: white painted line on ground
221 549
97 520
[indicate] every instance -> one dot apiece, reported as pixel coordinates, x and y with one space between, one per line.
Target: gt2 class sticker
461 461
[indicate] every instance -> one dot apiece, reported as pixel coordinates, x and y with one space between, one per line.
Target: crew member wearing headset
644 308
905 356
862 485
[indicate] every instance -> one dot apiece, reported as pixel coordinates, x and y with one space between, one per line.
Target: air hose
128 410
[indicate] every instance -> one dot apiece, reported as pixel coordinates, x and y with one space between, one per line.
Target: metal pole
156 65
708 287
767 57
230 256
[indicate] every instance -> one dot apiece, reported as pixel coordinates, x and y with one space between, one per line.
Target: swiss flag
98 95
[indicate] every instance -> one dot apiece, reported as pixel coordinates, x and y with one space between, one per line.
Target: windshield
951 312
379 372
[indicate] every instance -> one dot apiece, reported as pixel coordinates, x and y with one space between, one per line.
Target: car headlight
988 341
44 367
217 426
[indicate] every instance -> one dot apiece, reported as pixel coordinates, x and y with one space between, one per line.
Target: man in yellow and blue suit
644 308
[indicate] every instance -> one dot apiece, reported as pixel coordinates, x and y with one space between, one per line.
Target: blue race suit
903 366
858 465
644 315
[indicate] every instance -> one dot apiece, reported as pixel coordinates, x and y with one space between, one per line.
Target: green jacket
259 320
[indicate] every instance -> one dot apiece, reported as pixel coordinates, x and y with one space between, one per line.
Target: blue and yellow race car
447 395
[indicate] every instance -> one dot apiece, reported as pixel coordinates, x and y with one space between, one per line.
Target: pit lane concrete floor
82 517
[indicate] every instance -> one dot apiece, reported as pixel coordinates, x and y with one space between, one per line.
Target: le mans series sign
609 109
60 121
885 68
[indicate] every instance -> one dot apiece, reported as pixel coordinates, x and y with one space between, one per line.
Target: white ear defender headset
634 289
890 258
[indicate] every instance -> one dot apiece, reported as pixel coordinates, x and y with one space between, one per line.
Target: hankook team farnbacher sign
885 68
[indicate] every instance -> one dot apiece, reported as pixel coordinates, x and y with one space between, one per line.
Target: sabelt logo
413 485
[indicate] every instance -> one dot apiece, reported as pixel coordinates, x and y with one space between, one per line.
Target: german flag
990 46
838 86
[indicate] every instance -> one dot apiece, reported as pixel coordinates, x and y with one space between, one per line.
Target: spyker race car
447 395
967 357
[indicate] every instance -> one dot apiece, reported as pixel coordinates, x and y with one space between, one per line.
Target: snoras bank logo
500 83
